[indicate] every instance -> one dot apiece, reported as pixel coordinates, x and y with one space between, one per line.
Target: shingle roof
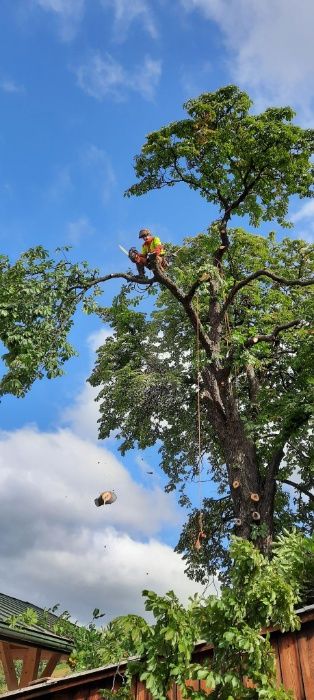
35 635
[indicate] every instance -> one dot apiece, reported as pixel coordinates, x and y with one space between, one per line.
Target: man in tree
152 248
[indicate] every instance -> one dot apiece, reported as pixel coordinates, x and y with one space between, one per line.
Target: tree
38 298
230 329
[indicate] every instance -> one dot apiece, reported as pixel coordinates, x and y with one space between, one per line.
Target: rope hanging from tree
201 533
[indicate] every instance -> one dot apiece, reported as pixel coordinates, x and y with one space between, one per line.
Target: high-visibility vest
153 244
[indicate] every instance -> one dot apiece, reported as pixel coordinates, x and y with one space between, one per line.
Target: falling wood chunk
256 515
105 498
254 497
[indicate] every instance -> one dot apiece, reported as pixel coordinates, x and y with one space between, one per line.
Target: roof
33 635
97 675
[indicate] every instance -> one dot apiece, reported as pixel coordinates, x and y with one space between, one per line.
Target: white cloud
305 212
146 78
9 86
82 415
96 339
59 547
271 46
79 230
304 219
69 14
102 77
126 12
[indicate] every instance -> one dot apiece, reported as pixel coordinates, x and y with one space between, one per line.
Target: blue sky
81 84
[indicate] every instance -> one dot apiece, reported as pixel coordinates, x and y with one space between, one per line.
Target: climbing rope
201 534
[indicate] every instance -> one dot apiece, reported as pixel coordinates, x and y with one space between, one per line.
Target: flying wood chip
105 498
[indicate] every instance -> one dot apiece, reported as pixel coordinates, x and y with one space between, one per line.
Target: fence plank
290 665
204 687
274 644
140 691
172 693
305 641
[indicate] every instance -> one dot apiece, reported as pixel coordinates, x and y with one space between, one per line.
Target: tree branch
273 469
264 273
161 277
84 285
271 336
298 487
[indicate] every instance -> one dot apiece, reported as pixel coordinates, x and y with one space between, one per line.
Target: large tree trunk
252 495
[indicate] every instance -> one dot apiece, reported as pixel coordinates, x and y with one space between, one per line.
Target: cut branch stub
255 497
256 515
238 522
236 484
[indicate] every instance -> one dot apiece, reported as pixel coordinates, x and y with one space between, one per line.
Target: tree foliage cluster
38 299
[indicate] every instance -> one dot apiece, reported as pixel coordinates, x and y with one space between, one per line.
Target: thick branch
161 277
264 273
247 189
271 476
270 337
253 385
87 284
298 487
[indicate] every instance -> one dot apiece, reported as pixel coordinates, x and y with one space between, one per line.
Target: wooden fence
294 654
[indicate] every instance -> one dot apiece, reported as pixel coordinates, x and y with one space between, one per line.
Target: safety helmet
144 232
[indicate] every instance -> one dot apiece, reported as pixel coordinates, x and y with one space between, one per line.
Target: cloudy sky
81 84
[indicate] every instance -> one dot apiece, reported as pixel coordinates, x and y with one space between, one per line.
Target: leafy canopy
250 162
146 372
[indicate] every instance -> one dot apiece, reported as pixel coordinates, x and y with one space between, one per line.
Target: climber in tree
152 247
